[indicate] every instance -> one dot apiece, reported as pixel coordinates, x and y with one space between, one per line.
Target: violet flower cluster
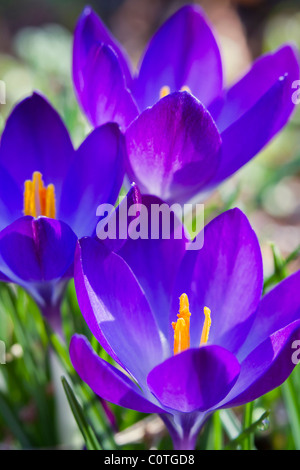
40 224
214 130
185 134
130 300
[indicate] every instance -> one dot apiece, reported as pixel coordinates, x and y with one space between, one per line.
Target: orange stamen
185 88
164 91
182 326
206 326
38 199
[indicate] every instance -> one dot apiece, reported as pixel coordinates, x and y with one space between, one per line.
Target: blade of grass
13 423
280 268
90 402
230 423
218 434
238 441
291 401
248 443
87 432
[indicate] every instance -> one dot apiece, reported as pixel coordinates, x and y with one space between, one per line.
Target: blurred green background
35 54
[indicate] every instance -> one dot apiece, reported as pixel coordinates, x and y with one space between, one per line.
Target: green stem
217 427
291 403
248 443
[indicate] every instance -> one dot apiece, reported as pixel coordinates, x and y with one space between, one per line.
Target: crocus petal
277 309
97 174
105 380
121 219
37 249
34 252
173 148
226 276
264 73
90 30
35 139
4 278
11 199
267 367
103 94
155 261
115 308
255 109
182 53
195 379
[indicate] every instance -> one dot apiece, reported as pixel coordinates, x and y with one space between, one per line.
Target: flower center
38 199
182 326
165 90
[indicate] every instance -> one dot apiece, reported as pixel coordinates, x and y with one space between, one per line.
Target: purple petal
264 73
122 219
225 276
38 254
105 380
34 250
97 174
115 308
11 199
4 278
173 148
155 262
267 367
195 379
255 109
35 139
277 309
182 53
90 30
103 94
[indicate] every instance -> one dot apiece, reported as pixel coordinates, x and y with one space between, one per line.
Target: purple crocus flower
183 56
49 193
226 347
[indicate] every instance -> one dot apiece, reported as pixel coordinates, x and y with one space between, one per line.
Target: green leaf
87 432
291 401
230 423
248 443
9 416
218 435
280 266
238 441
